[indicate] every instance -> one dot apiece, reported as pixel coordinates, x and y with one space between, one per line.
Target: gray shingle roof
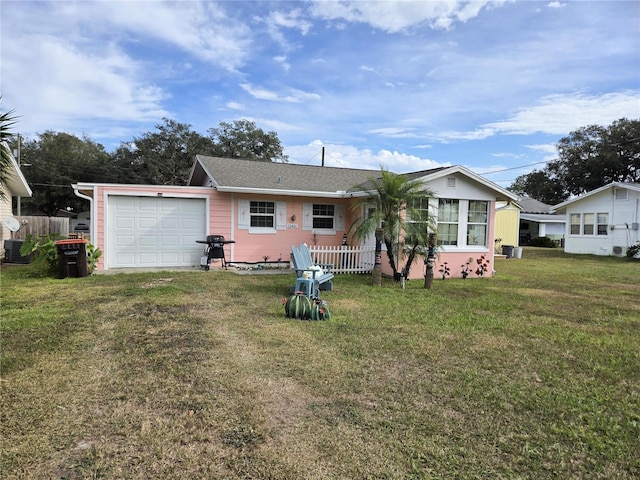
531 205
236 173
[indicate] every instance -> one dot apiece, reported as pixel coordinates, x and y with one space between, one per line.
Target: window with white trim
574 220
448 218
477 222
419 209
323 216
587 223
602 220
463 223
262 214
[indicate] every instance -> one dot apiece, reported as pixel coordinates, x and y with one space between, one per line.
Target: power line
514 168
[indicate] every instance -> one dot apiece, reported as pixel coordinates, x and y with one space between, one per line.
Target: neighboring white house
536 220
604 221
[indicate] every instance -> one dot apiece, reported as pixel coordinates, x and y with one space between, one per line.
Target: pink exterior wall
455 258
252 247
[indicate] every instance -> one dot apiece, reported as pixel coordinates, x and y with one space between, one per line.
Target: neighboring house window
323 215
477 222
262 214
587 224
575 224
448 212
603 223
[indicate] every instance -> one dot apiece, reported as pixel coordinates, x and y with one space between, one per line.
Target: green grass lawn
534 373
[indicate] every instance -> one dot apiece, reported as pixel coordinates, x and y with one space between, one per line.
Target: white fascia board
561 207
287 193
16 182
478 178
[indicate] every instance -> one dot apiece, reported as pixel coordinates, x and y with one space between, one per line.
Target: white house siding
623 217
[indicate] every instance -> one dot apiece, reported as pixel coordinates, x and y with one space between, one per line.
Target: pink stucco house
266 207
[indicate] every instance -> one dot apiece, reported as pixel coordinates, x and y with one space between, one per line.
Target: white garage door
154 231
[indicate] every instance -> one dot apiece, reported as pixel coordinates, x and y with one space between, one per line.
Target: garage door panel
147 204
169 241
125 258
125 222
148 259
149 241
155 231
169 223
122 241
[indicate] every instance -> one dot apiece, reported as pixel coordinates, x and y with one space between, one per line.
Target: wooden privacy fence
345 259
41 226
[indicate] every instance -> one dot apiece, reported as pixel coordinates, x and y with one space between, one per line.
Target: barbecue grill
215 250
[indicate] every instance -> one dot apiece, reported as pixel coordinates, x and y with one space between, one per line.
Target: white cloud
235 106
562 113
349 156
294 95
292 20
555 5
400 15
79 84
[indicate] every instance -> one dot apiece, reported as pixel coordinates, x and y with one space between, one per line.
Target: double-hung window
418 210
262 214
477 222
323 216
574 222
603 223
448 213
587 223
463 223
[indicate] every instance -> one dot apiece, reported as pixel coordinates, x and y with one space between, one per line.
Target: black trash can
72 258
507 250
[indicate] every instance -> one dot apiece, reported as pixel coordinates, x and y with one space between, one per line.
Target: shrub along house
266 207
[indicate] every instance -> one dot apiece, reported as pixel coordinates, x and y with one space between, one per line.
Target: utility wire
513 168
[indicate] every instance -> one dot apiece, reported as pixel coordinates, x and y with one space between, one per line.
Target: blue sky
491 85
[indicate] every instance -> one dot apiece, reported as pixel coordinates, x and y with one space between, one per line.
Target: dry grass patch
200 375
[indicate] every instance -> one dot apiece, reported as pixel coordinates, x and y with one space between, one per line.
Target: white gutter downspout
91 212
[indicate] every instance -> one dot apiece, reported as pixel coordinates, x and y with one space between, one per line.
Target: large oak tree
588 158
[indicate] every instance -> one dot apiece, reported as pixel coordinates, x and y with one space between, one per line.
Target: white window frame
591 219
602 224
463 225
244 216
338 218
485 224
573 223
456 223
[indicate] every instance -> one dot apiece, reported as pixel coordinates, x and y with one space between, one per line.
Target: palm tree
397 198
7 120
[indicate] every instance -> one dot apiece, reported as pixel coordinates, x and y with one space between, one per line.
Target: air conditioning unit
618 251
12 252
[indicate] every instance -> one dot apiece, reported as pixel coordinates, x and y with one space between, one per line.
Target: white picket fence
345 259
